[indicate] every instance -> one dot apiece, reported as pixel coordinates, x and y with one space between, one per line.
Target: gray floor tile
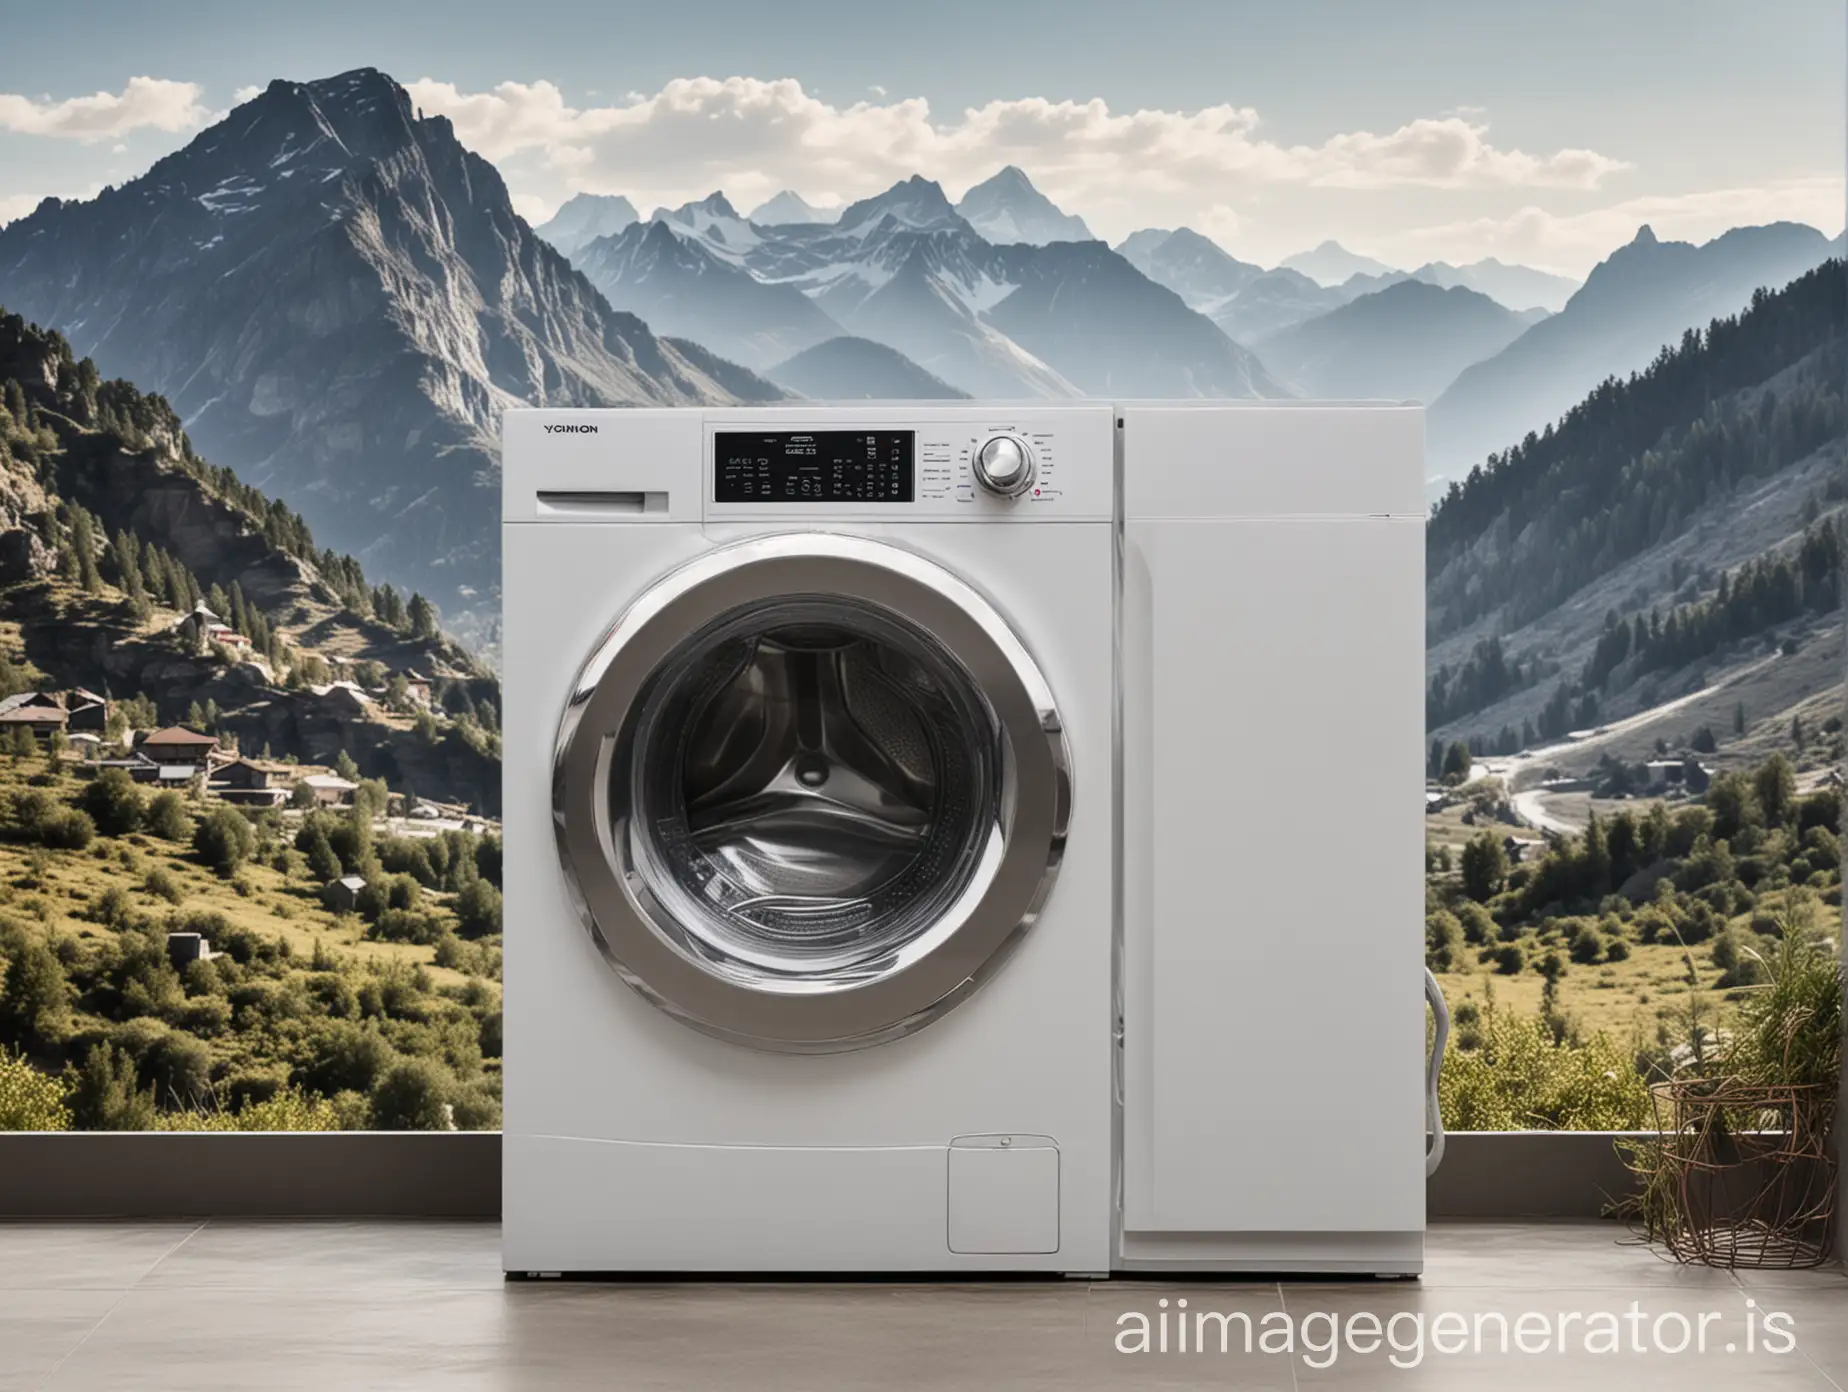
570 1336
1589 1255
95 1255
336 1256
40 1328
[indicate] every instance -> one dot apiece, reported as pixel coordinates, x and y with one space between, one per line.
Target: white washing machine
809 839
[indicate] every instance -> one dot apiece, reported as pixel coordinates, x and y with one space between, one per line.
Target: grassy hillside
1645 930
387 1017
112 530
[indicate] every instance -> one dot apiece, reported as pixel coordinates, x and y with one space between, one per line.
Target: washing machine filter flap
809 791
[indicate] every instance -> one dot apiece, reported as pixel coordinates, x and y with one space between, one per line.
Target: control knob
1003 466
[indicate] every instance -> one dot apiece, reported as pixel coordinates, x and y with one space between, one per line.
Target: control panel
949 463
813 466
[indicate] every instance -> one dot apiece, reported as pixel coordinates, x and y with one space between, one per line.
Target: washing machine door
809 791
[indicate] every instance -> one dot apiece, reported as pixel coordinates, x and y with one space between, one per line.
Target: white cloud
1220 223
1574 242
145 102
752 137
244 94
532 207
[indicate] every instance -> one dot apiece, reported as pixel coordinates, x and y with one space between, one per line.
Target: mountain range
906 269
1672 544
1644 296
1406 342
339 300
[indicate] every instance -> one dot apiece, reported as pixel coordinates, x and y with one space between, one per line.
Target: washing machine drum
809 792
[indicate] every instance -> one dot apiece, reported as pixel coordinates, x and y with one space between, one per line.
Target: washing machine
809 844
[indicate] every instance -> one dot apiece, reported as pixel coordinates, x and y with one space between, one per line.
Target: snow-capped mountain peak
915 202
714 222
791 207
1006 208
584 217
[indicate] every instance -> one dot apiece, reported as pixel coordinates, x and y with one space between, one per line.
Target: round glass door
810 791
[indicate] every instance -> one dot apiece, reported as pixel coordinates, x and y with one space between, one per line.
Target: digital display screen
816 466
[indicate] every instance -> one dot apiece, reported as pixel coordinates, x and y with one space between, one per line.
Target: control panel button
1004 466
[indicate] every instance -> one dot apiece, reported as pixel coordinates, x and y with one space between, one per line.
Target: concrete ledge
109 1174
1531 1174
1528 1174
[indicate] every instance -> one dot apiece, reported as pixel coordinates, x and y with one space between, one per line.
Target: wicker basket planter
1739 1174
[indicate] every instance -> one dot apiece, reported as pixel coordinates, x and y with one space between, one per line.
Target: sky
1420 130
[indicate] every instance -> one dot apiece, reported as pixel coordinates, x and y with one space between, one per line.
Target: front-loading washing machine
809 849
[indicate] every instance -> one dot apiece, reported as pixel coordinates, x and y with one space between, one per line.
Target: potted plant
1739 1172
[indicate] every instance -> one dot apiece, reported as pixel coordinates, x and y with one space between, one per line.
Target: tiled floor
239 1305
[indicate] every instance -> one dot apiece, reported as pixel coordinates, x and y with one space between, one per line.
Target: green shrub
478 909
406 926
27 813
111 908
161 883
166 817
224 839
1510 959
114 803
106 1094
1521 1078
67 829
413 1095
288 1109
345 1056
35 999
30 1100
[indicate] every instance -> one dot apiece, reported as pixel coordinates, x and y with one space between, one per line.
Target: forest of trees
1623 469
142 422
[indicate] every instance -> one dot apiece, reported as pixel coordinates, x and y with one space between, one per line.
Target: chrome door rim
918 982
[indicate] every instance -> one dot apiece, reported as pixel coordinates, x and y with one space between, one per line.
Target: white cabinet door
1273 748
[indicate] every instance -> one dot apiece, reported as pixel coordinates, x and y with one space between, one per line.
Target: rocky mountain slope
847 369
1674 532
338 300
112 527
1404 343
1642 296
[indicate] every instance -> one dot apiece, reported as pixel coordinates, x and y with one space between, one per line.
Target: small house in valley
177 745
91 716
186 948
329 789
42 720
342 895
345 699
246 781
